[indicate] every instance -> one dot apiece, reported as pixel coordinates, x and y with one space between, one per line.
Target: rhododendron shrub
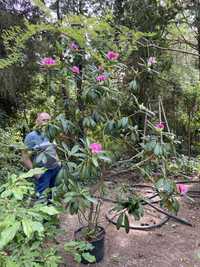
88 77
160 125
101 78
95 148
151 61
48 61
182 188
75 70
111 55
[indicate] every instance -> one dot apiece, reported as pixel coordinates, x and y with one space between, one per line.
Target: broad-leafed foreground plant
10 161
80 250
24 227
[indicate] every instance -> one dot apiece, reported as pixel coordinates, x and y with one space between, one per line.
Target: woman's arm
26 160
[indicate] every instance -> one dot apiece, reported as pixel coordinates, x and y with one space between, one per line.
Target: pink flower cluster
48 61
74 46
95 148
111 55
182 189
160 125
101 78
75 70
151 61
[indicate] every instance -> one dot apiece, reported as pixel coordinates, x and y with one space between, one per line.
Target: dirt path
172 245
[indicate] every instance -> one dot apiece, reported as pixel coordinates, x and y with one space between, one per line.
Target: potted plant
85 202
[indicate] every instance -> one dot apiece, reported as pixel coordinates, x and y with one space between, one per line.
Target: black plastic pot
98 244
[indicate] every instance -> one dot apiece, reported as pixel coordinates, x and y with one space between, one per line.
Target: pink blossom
111 55
151 61
48 61
95 148
182 188
74 46
75 70
101 78
160 125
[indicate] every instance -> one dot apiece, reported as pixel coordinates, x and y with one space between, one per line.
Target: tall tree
17 78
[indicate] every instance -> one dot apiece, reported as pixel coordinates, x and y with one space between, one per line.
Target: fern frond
15 41
47 11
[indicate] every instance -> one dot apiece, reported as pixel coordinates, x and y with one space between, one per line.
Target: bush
10 159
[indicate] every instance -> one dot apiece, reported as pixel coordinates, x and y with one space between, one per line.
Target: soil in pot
97 243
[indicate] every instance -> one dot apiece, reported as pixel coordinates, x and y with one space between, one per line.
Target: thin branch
128 160
135 166
167 213
185 40
165 117
171 49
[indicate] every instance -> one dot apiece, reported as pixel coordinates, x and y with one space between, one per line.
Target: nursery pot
98 244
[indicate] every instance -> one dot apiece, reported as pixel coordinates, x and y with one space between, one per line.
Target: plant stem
97 213
90 222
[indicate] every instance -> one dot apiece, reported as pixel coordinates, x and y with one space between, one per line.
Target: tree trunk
198 35
189 135
64 91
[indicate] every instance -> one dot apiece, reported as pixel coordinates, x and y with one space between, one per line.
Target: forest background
170 32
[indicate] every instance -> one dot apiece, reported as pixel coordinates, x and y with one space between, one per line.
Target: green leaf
124 122
38 227
95 162
71 194
6 193
50 210
74 207
8 234
88 257
175 206
126 223
91 199
67 199
77 257
10 263
158 149
133 85
27 227
104 158
120 221
150 145
18 194
86 122
33 172
74 149
70 244
60 177
9 220
165 185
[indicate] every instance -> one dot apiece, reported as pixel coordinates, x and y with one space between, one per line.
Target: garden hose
150 203
142 227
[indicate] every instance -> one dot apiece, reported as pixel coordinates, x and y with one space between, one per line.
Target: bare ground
172 245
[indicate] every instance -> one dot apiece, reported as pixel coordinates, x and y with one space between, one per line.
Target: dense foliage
121 94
